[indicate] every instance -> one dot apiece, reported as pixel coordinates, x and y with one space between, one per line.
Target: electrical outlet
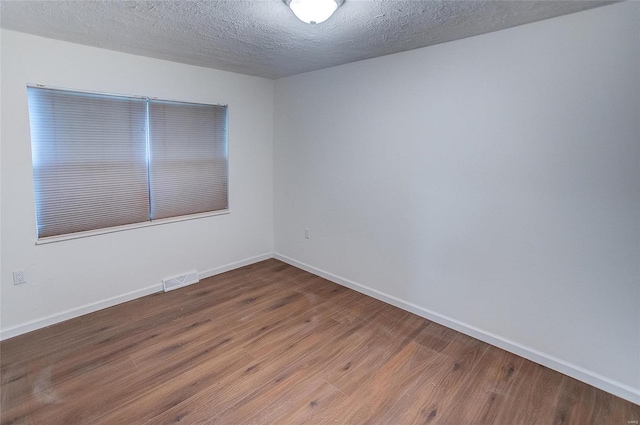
19 277
307 235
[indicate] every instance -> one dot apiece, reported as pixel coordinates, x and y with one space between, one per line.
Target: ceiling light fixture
313 11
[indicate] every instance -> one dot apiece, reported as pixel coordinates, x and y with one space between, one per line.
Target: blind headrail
131 96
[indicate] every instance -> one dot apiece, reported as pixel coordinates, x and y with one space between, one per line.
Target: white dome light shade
313 11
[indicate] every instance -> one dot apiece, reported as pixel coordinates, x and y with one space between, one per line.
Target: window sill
89 233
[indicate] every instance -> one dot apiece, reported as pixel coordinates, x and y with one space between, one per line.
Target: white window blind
101 161
89 160
188 167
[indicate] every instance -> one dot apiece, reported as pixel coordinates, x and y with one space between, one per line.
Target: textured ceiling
263 37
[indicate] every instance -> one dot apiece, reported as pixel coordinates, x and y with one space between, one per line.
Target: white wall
63 277
491 183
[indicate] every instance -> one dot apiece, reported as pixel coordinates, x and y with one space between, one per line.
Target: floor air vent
175 282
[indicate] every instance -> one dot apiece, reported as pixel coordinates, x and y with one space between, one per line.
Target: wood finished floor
272 344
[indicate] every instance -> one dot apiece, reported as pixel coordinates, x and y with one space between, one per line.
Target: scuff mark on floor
43 387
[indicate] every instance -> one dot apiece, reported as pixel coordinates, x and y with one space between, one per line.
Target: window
103 161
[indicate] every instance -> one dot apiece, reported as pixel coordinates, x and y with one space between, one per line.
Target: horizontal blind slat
189 165
89 160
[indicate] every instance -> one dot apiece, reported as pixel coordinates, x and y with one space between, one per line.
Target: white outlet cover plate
19 277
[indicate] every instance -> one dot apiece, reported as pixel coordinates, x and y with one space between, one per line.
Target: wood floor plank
433 398
306 354
420 402
436 337
289 391
479 400
173 392
374 398
284 337
230 316
272 344
40 342
69 401
534 397
319 406
15 385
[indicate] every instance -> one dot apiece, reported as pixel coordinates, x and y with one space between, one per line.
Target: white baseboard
78 311
616 388
110 302
223 269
